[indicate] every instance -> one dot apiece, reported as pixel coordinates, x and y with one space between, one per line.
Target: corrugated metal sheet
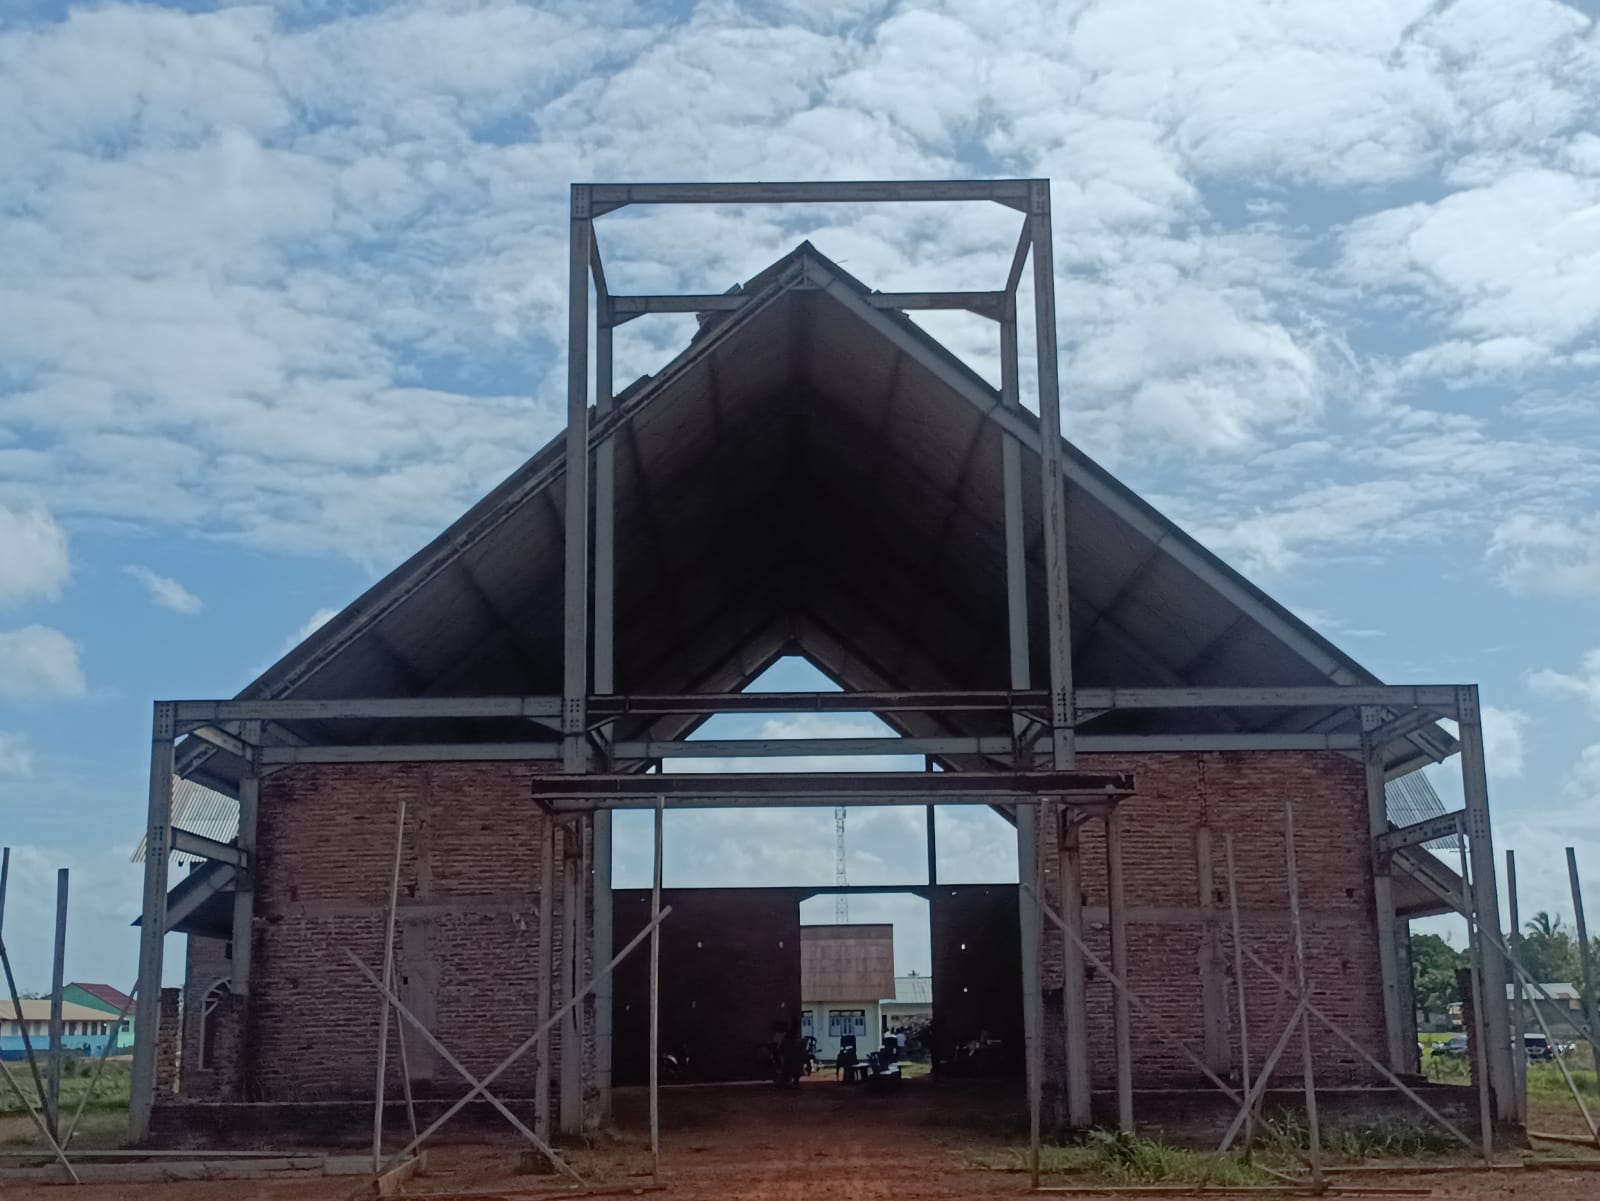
1410 799
846 963
913 990
202 811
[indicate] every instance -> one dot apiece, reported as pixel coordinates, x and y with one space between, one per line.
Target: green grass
1286 1135
110 1094
1109 1158
1544 1079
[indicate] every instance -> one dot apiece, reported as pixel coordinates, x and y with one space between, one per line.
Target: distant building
107 1000
1560 1013
845 973
912 1003
84 1030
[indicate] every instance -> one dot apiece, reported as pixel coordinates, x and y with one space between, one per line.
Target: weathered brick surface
168 1042
467 943
1242 795
218 1074
467 950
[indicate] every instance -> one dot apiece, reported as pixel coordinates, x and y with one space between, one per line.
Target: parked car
1538 1048
1455 1045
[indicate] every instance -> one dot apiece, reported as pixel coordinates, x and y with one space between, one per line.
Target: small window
208 1023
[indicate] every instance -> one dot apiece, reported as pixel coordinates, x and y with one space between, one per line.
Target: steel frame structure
590 773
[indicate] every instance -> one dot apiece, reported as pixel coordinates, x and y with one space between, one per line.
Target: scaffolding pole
1308 1072
1584 956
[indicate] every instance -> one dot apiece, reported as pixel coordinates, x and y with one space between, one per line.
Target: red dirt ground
819 1143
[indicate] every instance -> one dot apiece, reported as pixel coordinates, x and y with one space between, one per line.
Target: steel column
1519 1063
1475 787
57 1026
544 971
1382 889
605 574
1053 504
244 895
1590 1013
153 925
1074 1003
575 644
1303 992
1122 1023
570 1111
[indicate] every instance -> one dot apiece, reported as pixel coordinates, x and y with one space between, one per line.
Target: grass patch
1354 1141
110 1094
1544 1078
1106 1157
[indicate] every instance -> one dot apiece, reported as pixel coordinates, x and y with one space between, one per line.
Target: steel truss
591 773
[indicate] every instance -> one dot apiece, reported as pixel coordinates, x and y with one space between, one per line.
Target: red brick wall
467 948
468 953
1241 794
222 1075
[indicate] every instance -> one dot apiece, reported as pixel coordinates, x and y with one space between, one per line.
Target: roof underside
813 476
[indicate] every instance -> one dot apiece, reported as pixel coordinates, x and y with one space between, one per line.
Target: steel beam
707 703
222 740
1433 696
580 793
984 304
217 879
783 748
1428 829
1485 902
189 843
366 709
1013 193
625 308
147 1023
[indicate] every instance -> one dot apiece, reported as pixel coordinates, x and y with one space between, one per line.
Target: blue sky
284 287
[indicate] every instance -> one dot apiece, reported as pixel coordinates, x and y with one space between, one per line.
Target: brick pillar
167 1042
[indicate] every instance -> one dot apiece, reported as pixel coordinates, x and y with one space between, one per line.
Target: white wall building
846 972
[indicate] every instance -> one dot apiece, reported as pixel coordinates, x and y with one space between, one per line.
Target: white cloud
312 624
1548 554
1582 685
39 663
164 591
34 563
16 756
1504 731
1583 781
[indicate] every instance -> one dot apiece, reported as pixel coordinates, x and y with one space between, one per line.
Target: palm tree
1543 925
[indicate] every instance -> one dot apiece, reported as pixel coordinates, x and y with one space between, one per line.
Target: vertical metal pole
655 999
1519 1061
1029 861
1383 890
1479 1024
933 850
5 879
570 1110
1480 845
388 984
1053 505
153 924
1313 1126
244 894
545 973
575 644
1590 1012
605 543
1213 976
1074 1004
1238 980
58 1031
1122 1022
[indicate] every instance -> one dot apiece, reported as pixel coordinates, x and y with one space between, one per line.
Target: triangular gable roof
813 474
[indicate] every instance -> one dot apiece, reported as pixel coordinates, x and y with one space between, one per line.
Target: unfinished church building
813 475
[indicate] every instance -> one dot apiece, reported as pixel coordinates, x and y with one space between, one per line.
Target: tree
1549 953
1433 974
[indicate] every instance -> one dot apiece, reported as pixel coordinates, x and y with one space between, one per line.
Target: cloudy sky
282 293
